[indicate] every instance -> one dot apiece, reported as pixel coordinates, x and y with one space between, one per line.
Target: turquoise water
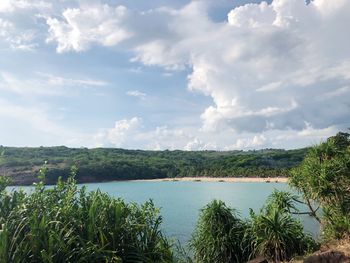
180 202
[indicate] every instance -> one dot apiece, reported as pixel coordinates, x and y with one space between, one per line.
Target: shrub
66 224
218 235
324 178
221 236
278 236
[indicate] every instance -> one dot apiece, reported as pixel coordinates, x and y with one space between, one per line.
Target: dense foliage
324 178
275 233
221 236
22 164
67 224
218 235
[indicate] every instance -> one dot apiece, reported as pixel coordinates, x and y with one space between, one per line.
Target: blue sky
191 75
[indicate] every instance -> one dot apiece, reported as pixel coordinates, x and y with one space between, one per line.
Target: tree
323 178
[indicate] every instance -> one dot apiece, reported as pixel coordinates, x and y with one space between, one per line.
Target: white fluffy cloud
198 145
274 72
81 27
271 66
130 133
133 134
122 131
257 141
275 67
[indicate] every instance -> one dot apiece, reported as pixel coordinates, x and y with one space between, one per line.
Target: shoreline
189 179
219 179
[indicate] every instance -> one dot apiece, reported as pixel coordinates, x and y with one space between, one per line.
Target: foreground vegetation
323 178
96 165
222 236
66 224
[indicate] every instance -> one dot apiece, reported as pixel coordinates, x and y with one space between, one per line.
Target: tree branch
313 211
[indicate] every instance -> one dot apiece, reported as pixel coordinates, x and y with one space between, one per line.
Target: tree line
106 164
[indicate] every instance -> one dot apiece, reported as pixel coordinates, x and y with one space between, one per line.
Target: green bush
67 224
275 233
324 178
218 235
278 236
221 236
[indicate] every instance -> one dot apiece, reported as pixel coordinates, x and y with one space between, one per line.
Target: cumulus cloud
131 134
270 66
273 70
199 145
122 131
275 65
82 27
257 141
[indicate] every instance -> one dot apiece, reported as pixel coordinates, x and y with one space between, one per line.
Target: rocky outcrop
330 256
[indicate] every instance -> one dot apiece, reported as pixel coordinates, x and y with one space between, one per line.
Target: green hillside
106 164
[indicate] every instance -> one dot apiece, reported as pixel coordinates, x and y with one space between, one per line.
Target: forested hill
106 164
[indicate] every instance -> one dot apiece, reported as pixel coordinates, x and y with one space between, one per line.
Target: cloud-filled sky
174 74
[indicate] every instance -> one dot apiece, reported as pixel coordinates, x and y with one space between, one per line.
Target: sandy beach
223 179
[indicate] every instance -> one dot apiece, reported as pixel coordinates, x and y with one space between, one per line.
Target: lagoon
180 202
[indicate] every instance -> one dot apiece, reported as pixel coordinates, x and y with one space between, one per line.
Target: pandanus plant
65 223
218 235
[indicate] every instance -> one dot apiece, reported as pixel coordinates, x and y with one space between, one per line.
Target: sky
174 74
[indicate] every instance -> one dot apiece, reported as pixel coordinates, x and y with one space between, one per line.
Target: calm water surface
180 202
